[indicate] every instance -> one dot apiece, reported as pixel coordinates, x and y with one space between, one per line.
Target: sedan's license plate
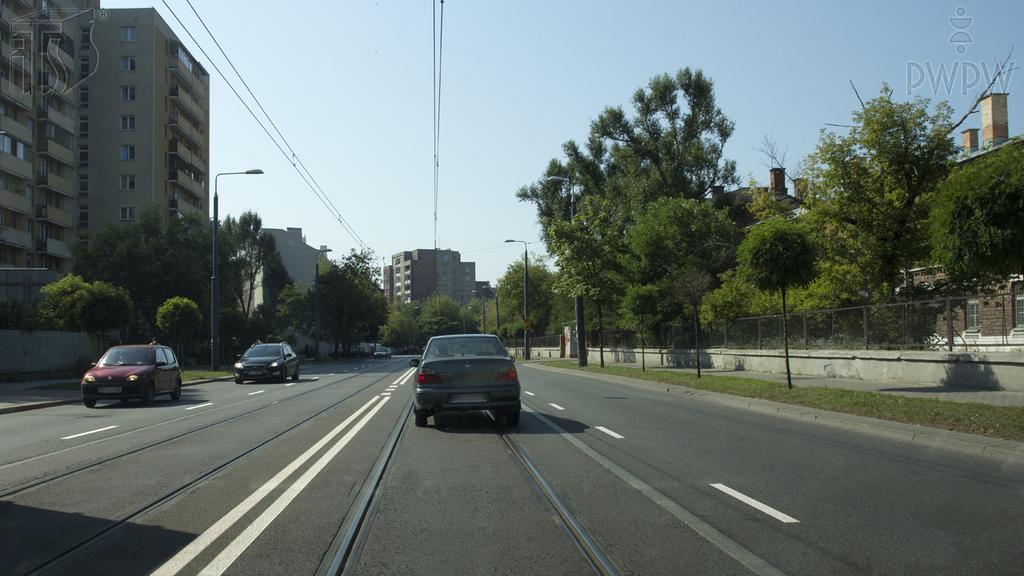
253 372
109 389
468 398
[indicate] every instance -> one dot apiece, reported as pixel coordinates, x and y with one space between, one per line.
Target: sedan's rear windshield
461 347
264 350
128 357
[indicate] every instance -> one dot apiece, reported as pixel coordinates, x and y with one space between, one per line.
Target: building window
83 186
128 34
83 156
128 182
127 122
83 217
83 96
83 66
128 64
83 38
973 315
83 126
127 212
127 93
444 258
1018 304
127 152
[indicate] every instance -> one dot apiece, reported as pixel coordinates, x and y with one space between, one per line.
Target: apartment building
417 274
102 112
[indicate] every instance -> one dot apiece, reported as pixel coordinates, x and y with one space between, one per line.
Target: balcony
16 238
184 102
16 166
185 156
15 129
57 119
55 216
17 96
183 208
48 85
53 248
56 183
51 149
186 78
185 182
59 58
16 202
186 130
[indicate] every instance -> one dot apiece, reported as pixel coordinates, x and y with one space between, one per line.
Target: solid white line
87 433
557 407
751 502
609 432
530 393
256 392
224 560
187 554
200 406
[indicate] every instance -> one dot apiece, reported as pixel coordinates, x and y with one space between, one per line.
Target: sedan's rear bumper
434 398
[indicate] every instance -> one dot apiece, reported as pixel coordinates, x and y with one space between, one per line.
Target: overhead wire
307 177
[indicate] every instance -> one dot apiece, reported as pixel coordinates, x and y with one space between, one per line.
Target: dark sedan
267 362
127 372
466 372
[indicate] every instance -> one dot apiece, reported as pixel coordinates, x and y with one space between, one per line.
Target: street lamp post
215 280
526 297
483 307
323 250
581 339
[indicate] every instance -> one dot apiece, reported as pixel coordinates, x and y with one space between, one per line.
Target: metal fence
992 322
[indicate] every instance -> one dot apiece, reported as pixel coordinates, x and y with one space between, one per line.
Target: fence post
806 343
759 332
949 323
866 328
725 333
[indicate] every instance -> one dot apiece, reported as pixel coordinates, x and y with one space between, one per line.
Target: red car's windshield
128 356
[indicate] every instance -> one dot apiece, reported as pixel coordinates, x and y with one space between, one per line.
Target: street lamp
483 307
323 250
581 339
215 280
526 297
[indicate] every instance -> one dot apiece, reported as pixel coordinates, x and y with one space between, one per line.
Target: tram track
82 543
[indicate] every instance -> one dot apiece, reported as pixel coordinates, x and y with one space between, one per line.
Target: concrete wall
44 355
986 371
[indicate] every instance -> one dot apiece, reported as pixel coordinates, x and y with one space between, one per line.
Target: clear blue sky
350 86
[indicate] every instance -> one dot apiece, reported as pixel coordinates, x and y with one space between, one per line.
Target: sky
351 87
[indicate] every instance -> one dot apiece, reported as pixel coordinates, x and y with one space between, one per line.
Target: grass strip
1006 422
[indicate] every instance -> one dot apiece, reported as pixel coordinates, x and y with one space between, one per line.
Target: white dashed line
87 433
529 393
256 392
556 406
610 433
751 502
200 406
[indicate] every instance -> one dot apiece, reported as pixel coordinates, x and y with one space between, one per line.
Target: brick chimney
970 140
778 181
995 125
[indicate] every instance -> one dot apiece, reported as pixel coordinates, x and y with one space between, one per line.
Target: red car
126 372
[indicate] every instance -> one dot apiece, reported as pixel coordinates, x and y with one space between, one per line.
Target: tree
640 303
439 315
776 255
869 191
691 286
62 299
510 298
977 220
105 307
352 305
401 329
254 249
180 318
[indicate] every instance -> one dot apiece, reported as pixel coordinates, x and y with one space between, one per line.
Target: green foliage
181 319
59 310
869 191
401 329
542 300
105 307
254 251
977 219
778 254
18 315
439 315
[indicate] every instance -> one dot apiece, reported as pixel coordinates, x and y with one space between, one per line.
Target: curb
908 432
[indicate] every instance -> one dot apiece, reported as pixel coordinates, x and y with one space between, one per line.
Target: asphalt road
263 478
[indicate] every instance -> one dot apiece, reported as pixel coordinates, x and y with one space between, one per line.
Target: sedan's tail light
428 376
507 374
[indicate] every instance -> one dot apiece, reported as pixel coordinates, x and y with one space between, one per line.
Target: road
328 475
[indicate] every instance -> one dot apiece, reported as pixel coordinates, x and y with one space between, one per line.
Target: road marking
385 393
187 554
610 433
292 384
530 393
751 502
87 433
200 406
556 406
256 392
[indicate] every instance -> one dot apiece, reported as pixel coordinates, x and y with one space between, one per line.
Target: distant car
382 352
127 372
466 372
267 362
